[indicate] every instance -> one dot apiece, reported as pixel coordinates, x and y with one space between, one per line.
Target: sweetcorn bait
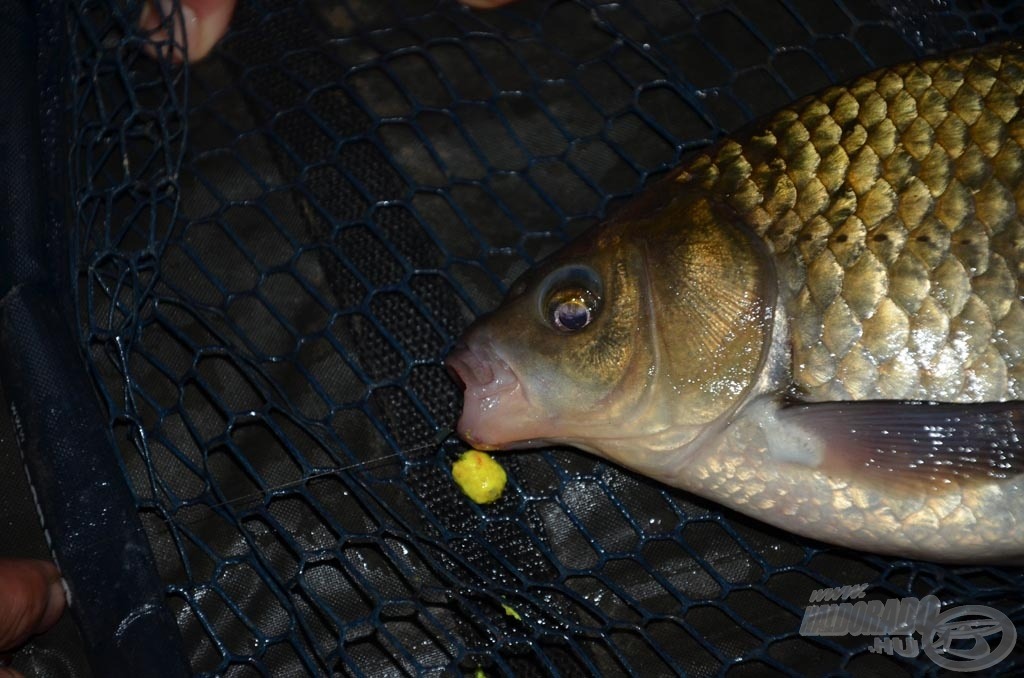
479 476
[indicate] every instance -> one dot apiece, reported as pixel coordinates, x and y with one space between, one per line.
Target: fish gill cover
275 248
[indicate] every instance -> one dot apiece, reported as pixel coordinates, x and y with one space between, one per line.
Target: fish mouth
493 398
480 371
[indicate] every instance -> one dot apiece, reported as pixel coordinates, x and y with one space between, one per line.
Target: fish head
630 342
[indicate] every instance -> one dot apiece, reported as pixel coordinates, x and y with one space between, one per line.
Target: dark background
270 252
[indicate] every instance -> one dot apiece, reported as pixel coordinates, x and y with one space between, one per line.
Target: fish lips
495 411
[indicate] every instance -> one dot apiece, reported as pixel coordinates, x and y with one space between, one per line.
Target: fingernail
193 30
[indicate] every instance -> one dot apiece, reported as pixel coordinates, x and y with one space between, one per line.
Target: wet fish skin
891 207
862 247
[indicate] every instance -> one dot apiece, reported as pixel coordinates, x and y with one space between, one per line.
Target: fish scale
880 200
817 321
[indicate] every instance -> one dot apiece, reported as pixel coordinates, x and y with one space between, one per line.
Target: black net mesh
275 248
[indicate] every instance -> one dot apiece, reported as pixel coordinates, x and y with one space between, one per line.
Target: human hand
31 601
206 22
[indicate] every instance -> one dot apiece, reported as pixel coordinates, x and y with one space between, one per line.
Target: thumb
203 21
31 599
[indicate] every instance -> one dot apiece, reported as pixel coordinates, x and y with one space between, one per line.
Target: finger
204 22
31 599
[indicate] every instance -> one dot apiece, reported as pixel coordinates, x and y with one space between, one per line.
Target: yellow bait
480 476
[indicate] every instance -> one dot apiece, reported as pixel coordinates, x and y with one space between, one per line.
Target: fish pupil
572 315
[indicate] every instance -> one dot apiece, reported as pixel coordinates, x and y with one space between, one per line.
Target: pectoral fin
911 441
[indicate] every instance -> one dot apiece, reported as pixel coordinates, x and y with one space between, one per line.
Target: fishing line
328 472
173 522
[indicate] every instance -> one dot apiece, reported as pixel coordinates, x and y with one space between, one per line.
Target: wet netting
271 251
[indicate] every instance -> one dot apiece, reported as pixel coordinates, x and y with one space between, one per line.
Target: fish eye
571 298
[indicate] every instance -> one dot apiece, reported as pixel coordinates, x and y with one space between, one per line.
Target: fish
816 321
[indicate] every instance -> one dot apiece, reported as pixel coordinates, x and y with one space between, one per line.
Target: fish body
817 321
